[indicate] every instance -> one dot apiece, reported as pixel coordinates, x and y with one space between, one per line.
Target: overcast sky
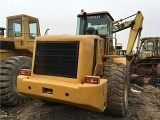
60 16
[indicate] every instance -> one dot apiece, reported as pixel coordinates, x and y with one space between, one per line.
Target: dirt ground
144 104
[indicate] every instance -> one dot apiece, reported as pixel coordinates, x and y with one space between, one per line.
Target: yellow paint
88 96
24 44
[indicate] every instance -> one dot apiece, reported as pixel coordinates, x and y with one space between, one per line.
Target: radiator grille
56 58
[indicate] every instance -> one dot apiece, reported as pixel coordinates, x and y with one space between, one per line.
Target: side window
14 28
33 29
150 45
10 28
110 27
79 26
143 48
18 28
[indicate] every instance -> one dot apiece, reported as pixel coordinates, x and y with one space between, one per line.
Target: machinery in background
16 50
135 26
145 64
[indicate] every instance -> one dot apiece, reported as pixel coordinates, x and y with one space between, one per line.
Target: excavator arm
136 27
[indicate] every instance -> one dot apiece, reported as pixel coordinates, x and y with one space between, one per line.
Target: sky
60 16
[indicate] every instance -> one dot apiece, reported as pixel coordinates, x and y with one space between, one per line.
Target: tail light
26 72
92 79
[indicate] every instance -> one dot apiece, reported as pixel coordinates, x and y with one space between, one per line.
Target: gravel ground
144 104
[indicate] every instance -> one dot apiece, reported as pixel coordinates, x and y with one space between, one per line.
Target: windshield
33 29
102 23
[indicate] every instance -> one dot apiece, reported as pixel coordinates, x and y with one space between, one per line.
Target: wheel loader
145 64
83 70
16 50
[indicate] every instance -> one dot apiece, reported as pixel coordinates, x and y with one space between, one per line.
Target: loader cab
22 27
98 23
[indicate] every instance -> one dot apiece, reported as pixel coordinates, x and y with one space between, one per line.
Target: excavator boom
136 27
135 30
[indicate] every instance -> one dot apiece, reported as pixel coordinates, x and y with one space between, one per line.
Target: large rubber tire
128 71
117 95
9 70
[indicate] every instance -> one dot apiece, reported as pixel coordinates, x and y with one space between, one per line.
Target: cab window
143 48
100 22
33 29
15 28
150 45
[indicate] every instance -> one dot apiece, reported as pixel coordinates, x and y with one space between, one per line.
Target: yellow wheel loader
82 70
16 50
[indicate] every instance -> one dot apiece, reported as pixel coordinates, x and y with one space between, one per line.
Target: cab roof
97 13
149 38
21 15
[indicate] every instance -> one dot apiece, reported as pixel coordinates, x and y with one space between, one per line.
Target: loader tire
117 95
128 71
9 70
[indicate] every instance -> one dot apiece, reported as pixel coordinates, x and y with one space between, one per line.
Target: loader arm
136 27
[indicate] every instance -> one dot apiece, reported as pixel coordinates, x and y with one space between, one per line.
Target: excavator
145 63
145 68
81 69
